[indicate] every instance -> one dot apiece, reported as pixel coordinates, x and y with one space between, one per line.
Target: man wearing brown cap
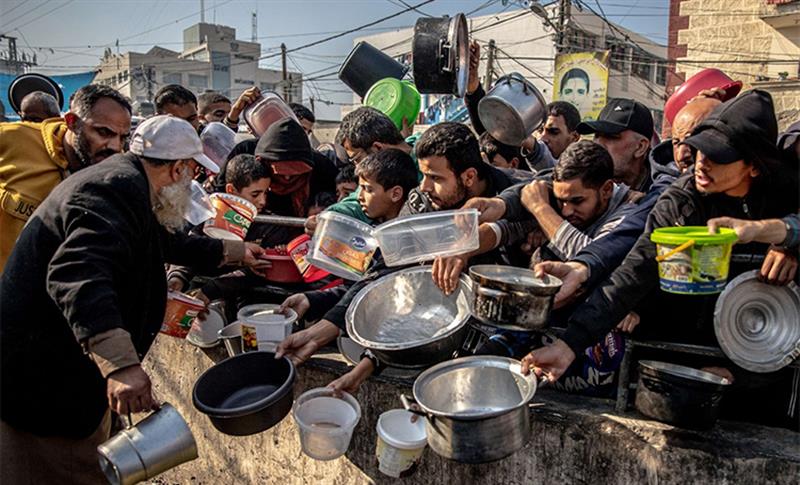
737 173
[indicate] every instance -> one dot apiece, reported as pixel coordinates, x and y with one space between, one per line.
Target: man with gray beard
83 297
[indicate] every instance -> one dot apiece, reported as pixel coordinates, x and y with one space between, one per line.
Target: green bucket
691 261
396 99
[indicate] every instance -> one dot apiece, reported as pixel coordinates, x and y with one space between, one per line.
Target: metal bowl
407 321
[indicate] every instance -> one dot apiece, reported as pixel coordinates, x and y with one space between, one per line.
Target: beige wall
745 30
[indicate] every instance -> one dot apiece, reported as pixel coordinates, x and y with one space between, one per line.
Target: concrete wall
574 440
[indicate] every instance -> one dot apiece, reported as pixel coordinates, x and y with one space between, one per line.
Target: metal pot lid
458 37
684 372
476 387
511 278
24 84
758 325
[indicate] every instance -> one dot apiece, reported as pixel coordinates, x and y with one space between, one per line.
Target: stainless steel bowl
407 321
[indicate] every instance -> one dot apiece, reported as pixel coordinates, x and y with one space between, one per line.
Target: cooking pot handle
410 404
492 292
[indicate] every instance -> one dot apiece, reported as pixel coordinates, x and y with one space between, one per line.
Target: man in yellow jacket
35 157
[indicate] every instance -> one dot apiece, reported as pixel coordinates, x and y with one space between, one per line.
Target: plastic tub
263 328
691 261
706 79
396 99
283 269
325 422
233 218
298 249
181 310
200 208
401 442
271 108
218 141
342 245
422 237
366 65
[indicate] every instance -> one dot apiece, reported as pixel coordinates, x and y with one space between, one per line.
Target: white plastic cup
400 443
325 422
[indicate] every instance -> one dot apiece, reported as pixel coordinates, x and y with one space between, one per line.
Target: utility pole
564 13
487 82
254 27
285 77
311 101
202 11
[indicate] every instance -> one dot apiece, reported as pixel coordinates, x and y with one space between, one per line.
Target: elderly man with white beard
83 297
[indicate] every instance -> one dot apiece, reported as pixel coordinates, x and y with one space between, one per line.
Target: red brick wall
677 23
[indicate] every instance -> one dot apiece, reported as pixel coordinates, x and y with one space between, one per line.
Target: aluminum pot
440 50
406 321
679 395
157 443
246 394
231 336
512 109
512 298
476 408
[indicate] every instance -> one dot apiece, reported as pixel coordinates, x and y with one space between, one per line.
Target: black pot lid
25 84
758 325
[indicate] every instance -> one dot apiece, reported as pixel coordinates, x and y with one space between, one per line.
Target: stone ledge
574 440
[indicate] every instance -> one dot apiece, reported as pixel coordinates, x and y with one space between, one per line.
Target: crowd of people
88 250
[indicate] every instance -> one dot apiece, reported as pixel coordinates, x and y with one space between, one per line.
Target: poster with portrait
581 79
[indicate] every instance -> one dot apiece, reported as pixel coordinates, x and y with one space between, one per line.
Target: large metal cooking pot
512 109
441 55
513 298
406 321
679 395
476 408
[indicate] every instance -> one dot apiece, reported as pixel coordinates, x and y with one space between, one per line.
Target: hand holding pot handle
410 405
550 361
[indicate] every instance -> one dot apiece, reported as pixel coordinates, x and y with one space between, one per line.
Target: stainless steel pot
231 336
157 443
406 321
512 109
476 408
513 298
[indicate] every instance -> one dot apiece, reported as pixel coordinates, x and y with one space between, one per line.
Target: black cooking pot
24 84
679 395
367 65
247 393
440 52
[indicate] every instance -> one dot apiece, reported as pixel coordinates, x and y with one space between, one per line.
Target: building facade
755 41
212 59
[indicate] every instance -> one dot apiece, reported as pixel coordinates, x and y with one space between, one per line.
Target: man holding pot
737 173
83 297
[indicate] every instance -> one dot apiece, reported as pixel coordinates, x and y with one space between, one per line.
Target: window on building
661 74
125 75
642 67
172 78
267 86
198 81
618 58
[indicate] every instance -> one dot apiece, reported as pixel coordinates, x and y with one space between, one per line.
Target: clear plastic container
325 422
218 141
342 245
260 115
200 208
263 328
422 237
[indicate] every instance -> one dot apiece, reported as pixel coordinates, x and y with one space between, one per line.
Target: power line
41 16
7 22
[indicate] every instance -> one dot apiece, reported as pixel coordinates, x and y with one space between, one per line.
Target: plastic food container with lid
422 237
692 261
271 108
396 99
263 327
342 245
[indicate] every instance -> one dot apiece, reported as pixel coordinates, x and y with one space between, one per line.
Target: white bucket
400 442
263 328
325 422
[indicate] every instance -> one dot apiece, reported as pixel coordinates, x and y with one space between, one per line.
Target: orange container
298 249
233 219
181 312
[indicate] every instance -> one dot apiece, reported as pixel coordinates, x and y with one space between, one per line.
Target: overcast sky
77 31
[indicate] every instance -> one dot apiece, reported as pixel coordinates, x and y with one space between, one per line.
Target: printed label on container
356 255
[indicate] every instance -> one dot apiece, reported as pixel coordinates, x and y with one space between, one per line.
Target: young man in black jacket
83 297
737 173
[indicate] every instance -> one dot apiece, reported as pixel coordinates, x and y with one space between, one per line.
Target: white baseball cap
169 138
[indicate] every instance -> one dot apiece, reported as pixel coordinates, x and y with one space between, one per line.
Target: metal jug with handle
155 444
